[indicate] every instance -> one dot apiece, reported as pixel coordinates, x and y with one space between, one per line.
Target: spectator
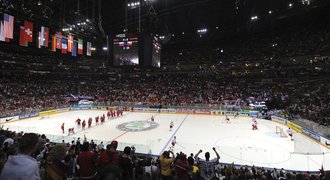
126 164
86 161
22 166
165 165
56 168
183 170
108 162
207 166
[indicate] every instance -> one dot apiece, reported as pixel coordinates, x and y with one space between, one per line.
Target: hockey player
171 125
236 115
71 131
254 125
78 122
173 143
152 119
62 127
83 124
290 133
227 119
96 120
102 119
90 122
108 115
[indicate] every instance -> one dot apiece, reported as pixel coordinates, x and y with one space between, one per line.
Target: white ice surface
235 141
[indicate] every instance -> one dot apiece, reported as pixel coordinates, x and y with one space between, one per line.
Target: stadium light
254 18
105 48
183 33
270 12
290 5
93 49
217 27
202 31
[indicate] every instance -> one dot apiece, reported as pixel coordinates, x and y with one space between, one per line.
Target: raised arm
196 156
218 156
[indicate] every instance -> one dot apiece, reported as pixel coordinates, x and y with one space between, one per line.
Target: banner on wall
294 126
311 134
279 119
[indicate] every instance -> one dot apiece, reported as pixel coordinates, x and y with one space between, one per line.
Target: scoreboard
136 50
156 50
126 50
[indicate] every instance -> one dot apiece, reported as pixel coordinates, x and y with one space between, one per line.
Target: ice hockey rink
236 142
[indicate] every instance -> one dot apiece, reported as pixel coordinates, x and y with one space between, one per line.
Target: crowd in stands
32 156
307 98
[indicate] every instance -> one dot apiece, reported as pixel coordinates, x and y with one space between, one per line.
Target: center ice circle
249 150
136 126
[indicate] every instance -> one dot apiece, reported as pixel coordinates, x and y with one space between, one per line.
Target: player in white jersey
290 133
207 166
227 119
173 143
171 125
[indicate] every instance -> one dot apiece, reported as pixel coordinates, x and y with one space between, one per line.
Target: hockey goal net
280 132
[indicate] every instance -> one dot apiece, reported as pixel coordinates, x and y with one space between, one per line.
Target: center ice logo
135 126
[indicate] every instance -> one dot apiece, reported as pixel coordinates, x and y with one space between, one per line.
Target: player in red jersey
90 122
108 115
62 127
118 113
254 125
96 120
78 122
83 124
71 130
102 119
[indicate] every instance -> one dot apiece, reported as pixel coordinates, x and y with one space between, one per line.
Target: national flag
2 36
58 40
39 42
70 43
89 46
53 48
26 33
8 26
43 37
64 45
121 44
80 46
129 43
74 49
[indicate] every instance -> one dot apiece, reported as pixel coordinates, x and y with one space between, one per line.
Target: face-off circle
137 126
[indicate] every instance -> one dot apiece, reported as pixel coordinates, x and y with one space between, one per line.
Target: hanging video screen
126 50
156 52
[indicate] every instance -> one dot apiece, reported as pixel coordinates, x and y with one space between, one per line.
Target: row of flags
58 41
